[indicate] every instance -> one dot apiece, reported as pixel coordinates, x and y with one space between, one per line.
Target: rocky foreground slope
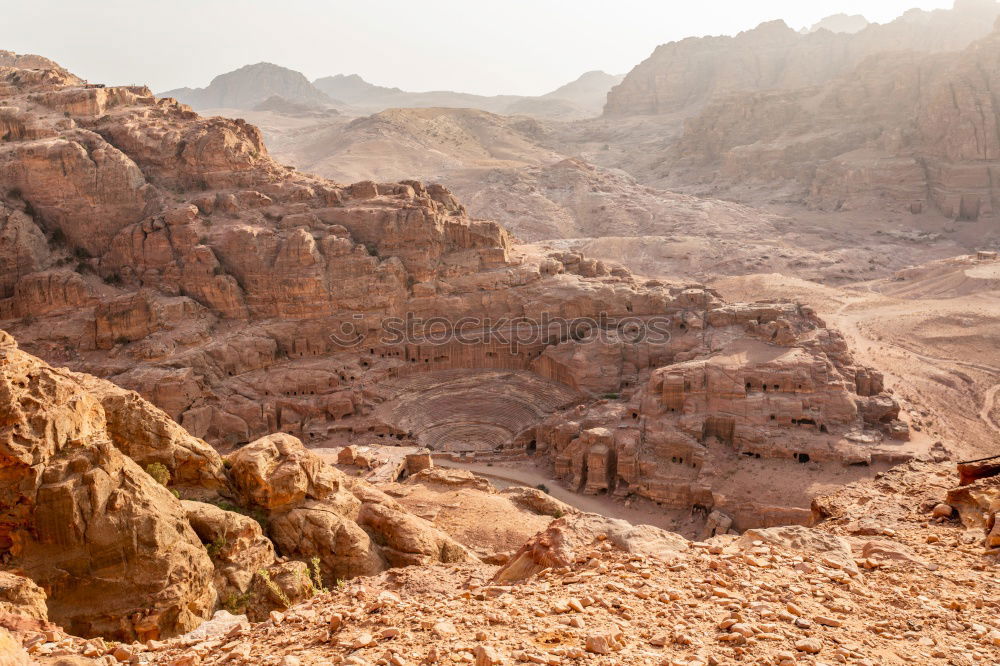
888 577
95 511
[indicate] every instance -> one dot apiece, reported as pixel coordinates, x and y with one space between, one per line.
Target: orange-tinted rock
110 545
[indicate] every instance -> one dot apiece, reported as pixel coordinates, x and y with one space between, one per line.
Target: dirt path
988 403
850 324
507 476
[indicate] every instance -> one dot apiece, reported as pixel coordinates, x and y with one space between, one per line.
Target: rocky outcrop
313 510
978 505
683 75
148 436
111 546
277 588
22 603
907 131
235 543
567 539
776 385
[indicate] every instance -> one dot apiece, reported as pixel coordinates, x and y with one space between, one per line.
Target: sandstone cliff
686 74
906 131
110 545
246 299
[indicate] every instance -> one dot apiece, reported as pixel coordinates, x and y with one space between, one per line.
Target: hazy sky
523 47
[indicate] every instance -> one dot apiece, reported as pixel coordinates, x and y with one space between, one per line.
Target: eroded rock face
280 586
22 603
147 435
978 505
773 56
908 131
314 511
111 546
750 381
235 543
566 540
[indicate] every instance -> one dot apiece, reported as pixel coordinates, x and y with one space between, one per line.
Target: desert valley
693 365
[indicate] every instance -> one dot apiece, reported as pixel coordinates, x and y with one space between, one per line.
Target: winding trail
988 404
854 321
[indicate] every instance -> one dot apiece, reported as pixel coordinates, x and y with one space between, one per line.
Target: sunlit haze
516 47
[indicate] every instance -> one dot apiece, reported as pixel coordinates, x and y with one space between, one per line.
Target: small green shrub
317 576
159 472
256 514
218 544
273 587
236 603
611 396
544 488
122 340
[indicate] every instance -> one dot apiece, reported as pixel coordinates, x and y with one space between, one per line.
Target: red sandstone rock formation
760 381
111 546
244 299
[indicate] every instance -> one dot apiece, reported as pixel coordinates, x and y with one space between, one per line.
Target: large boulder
147 435
112 547
315 511
22 603
277 471
279 587
978 506
566 539
344 549
235 543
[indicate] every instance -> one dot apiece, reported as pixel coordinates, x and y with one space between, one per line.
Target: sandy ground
637 512
934 330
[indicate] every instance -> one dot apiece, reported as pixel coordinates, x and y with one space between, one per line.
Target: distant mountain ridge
250 86
683 75
842 23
